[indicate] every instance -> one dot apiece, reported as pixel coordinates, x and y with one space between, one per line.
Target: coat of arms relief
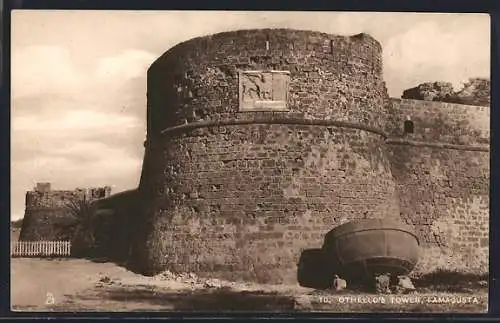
263 90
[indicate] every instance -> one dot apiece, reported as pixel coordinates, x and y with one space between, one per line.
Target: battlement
46 208
42 196
42 187
92 192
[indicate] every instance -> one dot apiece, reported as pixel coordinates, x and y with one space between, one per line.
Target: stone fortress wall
239 190
442 173
47 209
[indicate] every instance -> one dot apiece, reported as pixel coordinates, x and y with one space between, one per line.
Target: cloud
74 120
126 65
102 164
35 135
52 69
64 147
43 69
76 127
70 134
428 52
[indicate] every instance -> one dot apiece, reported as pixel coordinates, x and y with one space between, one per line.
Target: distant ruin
474 92
46 208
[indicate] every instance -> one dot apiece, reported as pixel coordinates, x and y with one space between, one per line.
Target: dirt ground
81 285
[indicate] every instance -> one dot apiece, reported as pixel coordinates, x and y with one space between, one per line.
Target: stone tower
259 142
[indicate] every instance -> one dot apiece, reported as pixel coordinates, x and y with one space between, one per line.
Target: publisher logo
49 299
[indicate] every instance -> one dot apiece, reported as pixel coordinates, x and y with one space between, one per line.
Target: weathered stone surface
439 122
331 77
477 91
382 284
339 283
444 193
248 210
437 91
474 92
403 285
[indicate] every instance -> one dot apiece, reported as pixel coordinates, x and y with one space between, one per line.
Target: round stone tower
259 142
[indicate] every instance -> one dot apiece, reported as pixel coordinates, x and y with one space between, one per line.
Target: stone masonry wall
244 200
117 218
241 195
440 122
46 211
331 77
247 211
444 192
475 92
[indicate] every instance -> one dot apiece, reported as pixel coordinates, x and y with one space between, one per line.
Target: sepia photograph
256 161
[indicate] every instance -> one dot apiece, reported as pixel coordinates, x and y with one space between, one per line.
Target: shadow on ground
217 300
97 260
314 270
451 282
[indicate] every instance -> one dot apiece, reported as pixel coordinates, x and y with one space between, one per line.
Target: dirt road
80 285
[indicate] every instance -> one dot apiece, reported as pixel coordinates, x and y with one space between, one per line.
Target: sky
78 78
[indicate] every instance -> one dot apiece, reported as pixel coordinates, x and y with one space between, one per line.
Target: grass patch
451 281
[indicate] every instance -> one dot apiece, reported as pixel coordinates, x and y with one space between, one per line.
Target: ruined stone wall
442 175
475 92
241 194
46 211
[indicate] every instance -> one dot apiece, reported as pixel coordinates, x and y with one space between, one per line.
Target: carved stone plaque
263 90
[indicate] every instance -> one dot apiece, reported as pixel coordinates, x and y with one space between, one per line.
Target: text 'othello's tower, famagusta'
261 141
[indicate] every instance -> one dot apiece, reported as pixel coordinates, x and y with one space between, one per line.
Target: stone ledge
274 119
271 120
440 145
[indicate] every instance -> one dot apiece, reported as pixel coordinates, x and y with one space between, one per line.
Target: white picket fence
41 249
